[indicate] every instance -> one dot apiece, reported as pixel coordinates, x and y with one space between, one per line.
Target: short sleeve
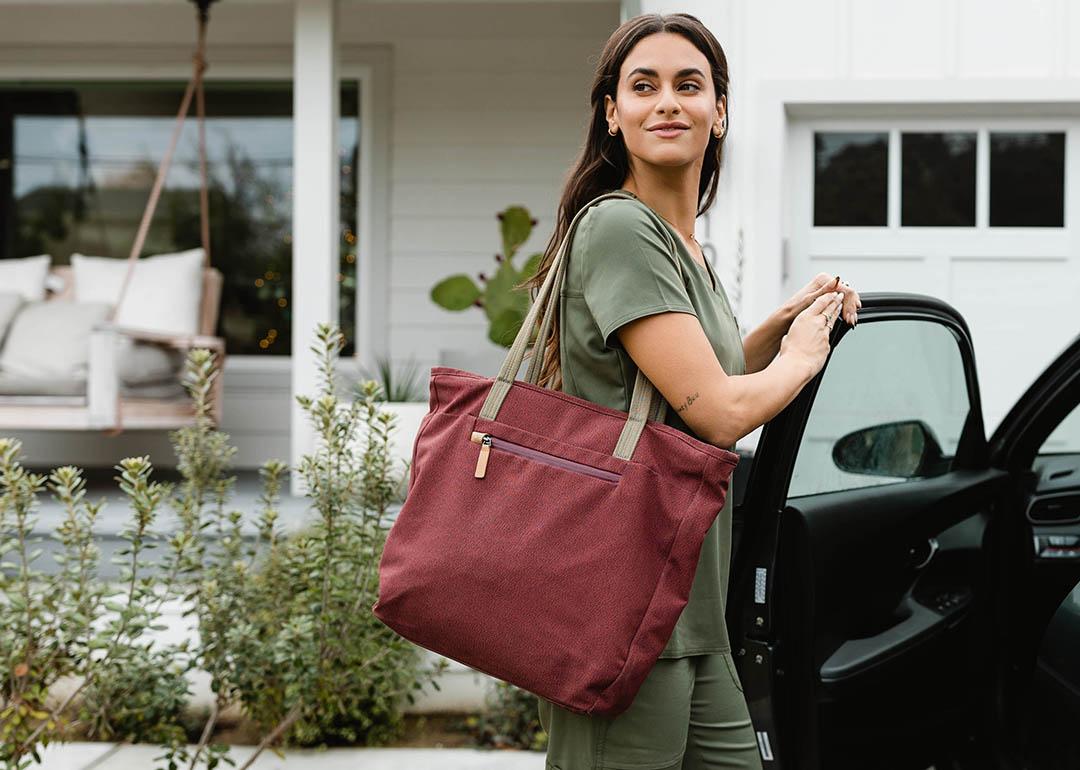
627 268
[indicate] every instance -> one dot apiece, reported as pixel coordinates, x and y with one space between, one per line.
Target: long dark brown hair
603 163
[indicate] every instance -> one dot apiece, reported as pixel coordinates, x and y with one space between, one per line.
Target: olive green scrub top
622 268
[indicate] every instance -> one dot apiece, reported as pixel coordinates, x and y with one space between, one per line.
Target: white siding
998 63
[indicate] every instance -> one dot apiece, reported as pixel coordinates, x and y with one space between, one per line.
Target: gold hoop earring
613 133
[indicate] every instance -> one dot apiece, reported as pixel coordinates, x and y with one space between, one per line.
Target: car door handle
857 655
922 556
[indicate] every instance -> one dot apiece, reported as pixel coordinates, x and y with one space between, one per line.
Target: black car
905 591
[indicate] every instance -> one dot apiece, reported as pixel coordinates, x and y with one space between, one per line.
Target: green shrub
509 721
139 700
70 624
285 622
285 626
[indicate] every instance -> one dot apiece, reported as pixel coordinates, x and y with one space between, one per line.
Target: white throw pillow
164 294
141 363
25 276
51 340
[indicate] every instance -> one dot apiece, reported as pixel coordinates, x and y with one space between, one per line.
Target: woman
659 119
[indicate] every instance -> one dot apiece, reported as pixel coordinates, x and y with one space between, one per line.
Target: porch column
315 224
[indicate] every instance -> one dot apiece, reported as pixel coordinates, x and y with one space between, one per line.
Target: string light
268 340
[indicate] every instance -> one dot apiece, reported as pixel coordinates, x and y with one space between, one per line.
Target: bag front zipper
487 441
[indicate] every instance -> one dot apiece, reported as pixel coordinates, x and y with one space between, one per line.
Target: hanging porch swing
120 354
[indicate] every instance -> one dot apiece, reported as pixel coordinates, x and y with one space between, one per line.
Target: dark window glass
850 178
84 158
937 179
1027 179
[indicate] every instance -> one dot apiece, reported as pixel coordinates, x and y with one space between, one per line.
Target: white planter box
406 426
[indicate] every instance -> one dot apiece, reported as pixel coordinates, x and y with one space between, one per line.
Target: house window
937 179
83 158
850 178
1027 179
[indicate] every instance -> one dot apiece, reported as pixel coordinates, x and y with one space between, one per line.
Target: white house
962 117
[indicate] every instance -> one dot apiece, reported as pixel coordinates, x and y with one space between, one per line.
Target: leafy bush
68 624
285 622
285 627
509 721
139 700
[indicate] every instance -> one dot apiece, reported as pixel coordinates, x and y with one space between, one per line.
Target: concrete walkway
109 756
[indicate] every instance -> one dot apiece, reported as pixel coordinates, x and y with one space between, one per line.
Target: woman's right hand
808 335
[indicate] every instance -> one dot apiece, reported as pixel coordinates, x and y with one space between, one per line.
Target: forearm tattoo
689 400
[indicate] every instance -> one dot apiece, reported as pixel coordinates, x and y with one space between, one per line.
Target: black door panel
891 585
914 623
1053 700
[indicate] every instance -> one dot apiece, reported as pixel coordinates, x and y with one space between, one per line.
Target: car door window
1066 436
891 406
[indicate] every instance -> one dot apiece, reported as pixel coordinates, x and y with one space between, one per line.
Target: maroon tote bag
546 540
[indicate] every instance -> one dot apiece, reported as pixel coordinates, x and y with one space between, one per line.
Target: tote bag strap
643 399
659 403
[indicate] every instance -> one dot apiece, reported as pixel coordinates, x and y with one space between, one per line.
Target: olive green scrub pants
690 714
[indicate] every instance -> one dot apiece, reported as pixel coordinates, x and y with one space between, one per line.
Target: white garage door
983 214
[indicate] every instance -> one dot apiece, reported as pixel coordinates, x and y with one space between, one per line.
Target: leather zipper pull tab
482 460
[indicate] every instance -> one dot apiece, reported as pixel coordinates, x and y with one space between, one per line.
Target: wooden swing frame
104 407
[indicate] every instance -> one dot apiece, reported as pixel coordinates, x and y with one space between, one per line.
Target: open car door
875 542
1038 443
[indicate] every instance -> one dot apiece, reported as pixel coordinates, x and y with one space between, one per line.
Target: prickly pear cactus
505 306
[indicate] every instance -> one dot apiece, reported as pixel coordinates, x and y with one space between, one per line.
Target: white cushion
141 363
25 276
10 302
51 340
164 294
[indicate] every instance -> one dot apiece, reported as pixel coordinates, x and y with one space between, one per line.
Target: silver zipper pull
482 460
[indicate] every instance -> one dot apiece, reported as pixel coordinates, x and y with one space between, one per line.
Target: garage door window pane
937 179
891 406
850 178
1027 179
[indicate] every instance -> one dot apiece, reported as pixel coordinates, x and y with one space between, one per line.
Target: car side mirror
905 449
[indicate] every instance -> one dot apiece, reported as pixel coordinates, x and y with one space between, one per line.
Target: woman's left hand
823 283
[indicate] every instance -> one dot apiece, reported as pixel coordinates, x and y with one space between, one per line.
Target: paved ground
106 756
